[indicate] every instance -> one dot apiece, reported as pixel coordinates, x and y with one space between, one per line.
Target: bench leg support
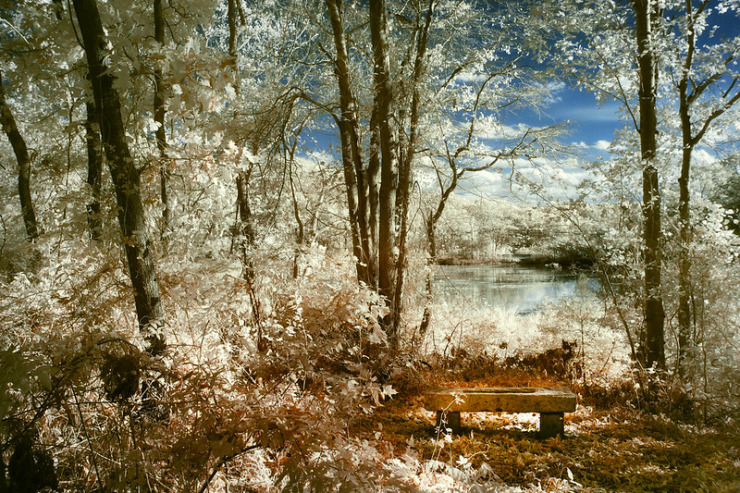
451 420
551 424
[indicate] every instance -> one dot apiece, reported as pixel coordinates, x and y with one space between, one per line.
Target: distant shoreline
565 262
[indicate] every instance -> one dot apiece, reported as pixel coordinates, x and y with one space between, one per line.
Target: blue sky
592 124
592 127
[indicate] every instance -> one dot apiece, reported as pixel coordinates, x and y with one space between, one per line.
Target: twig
87 438
221 463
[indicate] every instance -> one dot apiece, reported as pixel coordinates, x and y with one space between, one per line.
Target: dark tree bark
232 7
58 9
404 185
372 178
378 195
383 98
300 234
245 212
94 170
159 116
231 17
692 131
358 181
24 165
302 237
126 180
246 245
685 237
245 228
684 214
430 226
654 352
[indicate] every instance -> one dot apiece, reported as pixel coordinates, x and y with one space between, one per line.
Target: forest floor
605 448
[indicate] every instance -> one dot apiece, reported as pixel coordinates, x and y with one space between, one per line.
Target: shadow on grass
610 450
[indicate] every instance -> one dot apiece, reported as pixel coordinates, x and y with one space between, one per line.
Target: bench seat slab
501 399
551 403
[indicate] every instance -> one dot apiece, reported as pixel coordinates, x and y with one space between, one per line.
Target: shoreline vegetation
568 262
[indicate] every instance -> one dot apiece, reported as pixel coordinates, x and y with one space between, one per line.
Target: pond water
509 286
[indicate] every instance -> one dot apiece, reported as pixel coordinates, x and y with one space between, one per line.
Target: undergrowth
323 405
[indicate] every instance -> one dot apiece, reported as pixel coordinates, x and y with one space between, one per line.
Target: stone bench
550 402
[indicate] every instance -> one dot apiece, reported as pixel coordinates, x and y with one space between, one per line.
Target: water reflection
509 286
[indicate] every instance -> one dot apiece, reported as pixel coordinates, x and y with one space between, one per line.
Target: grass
610 444
614 449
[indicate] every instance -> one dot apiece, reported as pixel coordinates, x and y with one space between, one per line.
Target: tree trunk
300 234
126 180
246 245
245 211
689 140
231 11
426 318
654 313
404 182
159 115
357 181
684 211
231 15
383 98
24 166
94 170
684 261
372 179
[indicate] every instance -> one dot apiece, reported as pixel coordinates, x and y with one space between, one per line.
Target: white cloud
491 129
555 86
558 179
702 156
469 78
602 145
319 155
582 113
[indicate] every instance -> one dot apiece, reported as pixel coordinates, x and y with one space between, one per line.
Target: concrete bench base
550 403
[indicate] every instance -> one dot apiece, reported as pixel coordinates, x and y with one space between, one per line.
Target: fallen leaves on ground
615 449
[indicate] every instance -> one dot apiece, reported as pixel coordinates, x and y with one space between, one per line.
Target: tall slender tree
358 180
612 49
383 98
407 155
707 88
126 180
24 165
381 126
94 169
377 192
645 13
159 118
